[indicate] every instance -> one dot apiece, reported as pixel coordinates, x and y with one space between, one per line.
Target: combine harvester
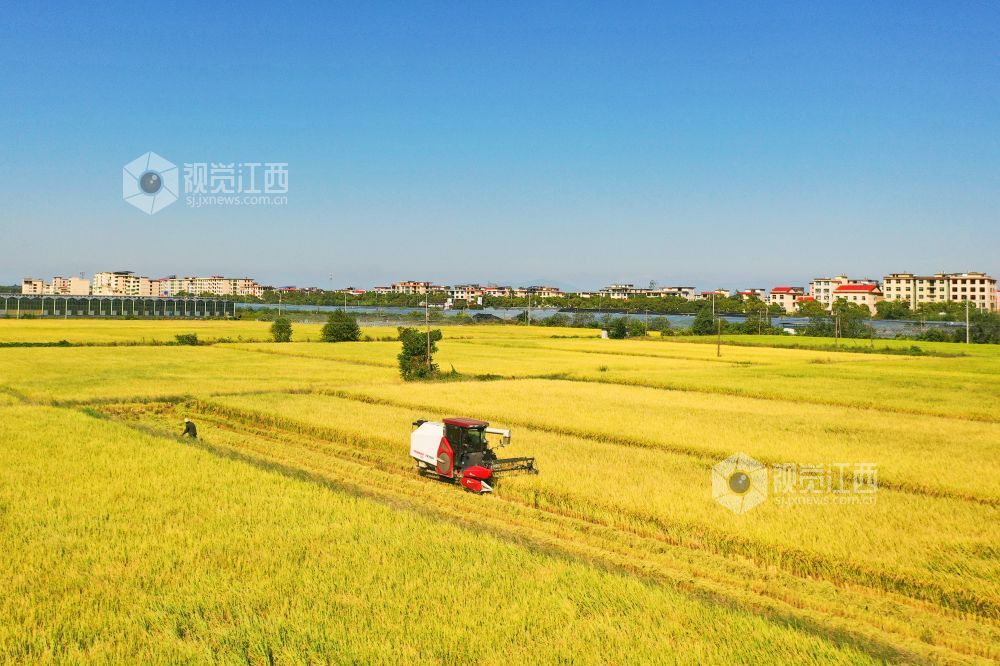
458 450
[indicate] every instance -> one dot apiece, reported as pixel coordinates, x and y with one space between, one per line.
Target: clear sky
712 144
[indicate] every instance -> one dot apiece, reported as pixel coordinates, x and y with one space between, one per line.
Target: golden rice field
297 530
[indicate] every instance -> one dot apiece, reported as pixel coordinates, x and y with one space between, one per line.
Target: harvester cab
459 450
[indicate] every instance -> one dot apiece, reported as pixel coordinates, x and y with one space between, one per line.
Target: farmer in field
190 430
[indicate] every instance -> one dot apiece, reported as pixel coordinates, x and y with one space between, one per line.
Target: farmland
296 529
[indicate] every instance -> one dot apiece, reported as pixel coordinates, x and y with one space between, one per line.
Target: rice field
297 530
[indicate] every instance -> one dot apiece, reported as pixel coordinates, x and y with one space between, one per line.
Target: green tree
618 328
811 309
704 323
414 361
852 318
893 310
341 327
636 328
281 330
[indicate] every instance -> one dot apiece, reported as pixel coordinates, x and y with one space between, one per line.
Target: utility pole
279 302
427 323
968 336
718 339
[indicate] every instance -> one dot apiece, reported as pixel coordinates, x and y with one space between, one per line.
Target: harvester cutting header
458 449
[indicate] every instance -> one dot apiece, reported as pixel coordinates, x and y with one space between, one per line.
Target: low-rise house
861 294
786 297
747 294
822 288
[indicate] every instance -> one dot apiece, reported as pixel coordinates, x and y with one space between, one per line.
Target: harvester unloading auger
458 449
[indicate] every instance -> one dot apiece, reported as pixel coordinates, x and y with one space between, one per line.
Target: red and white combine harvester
459 450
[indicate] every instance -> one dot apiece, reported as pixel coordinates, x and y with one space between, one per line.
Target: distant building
626 291
860 294
978 288
121 283
680 292
71 286
786 297
538 291
411 287
216 285
618 291
715 293
497 292
32 286
822 288
747 294
466 292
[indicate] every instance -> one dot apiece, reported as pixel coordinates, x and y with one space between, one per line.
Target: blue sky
712 144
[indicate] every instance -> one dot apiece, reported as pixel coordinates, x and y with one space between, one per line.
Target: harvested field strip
698 535
800 603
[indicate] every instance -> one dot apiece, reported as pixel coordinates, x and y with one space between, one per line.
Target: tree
704 323
893 310
811 309
618 328
661 324
984 327
281 330
636 328
341 327
414 362
852 318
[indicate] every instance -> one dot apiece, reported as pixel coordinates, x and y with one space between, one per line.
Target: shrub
618 329
636 328
341 327
414 361
704 323
281 330
187 339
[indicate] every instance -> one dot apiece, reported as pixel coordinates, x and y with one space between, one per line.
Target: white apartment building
787 297
465 292
681 292
618 291
978 288
411 287
626 291
822 289
32 286
538 291
497 292
71 286
60 286
121 283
